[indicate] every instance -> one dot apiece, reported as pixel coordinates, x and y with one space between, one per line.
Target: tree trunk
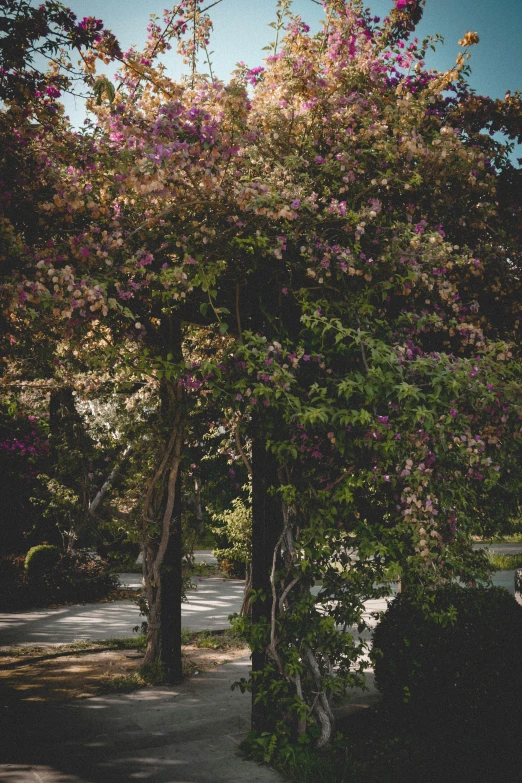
162 551
267 525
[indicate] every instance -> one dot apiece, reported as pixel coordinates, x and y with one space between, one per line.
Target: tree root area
60 674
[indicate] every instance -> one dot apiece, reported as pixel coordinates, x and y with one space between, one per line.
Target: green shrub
461 667
41 560
234 525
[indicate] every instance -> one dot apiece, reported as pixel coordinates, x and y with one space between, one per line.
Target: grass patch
212 640
138 642
506 562
515 538
148 674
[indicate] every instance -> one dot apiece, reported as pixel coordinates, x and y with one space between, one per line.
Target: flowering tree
136 232
388 215
343 215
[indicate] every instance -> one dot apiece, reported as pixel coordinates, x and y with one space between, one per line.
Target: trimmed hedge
461 668
41 560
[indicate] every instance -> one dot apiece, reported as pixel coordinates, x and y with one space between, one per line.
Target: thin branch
241 451
341 477
109 482
203 10
285 592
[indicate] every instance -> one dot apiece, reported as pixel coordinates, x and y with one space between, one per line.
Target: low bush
79 578
231 567
72 578
41 560
460 660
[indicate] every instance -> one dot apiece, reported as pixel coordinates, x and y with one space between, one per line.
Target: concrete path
208 607
184 734
205 556
180 734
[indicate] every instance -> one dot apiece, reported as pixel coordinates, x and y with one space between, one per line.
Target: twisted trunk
161 530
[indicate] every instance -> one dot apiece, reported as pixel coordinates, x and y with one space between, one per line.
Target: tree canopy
343 230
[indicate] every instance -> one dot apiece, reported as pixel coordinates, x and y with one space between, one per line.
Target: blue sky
241 30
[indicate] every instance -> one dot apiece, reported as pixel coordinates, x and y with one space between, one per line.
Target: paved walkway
208 608
180 734
184 734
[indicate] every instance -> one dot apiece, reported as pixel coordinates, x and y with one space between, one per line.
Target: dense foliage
327 250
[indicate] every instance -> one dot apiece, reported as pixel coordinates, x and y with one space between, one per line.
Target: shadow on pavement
180 734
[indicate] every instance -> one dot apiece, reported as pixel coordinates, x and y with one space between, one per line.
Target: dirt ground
60 674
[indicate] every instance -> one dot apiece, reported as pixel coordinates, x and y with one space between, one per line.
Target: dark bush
13 583
41 560
461 668
79 578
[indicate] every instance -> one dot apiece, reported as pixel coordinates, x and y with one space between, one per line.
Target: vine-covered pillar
267 525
